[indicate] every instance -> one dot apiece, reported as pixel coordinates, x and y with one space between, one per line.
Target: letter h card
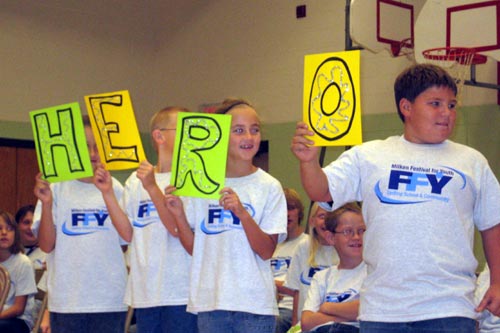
60 142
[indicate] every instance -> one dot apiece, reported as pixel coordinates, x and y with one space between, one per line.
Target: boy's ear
330 237
405 107
157 135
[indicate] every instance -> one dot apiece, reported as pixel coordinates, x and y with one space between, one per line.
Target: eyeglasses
349 233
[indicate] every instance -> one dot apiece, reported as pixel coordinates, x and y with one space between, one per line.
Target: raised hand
102 179
229 200
146 174
301 146
173 202
42 189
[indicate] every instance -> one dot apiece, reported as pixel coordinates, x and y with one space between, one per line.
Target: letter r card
200 154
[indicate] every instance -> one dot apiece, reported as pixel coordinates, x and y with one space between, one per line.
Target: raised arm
491 245
176 208
313 178
146 175
104 182
47 231
261 243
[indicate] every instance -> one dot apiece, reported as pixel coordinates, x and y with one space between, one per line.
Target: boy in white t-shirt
422 197
158 281
86 272
332 303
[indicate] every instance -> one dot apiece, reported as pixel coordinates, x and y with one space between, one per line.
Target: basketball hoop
456 61
403 48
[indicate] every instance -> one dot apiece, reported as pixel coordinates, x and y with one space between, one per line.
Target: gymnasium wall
252 49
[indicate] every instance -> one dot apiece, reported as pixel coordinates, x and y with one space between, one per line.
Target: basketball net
455 60
403 48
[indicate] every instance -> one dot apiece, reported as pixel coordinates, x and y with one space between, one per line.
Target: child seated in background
16 315
282 256
312 255
24 219
332 304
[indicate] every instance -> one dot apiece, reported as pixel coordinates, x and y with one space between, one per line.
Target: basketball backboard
384 24
459 23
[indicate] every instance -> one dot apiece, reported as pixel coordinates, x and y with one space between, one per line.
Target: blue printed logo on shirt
307 275
85 222
280 265
334 297
146 214
220 220
413 185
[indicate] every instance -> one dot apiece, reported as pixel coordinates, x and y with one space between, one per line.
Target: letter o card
200 154
332 107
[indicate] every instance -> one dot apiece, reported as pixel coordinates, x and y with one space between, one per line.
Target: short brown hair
332 218
293 201
418 78
161 119
17 246
230 103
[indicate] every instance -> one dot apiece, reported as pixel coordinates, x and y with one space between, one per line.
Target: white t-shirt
37 257
420 205
280 262
335 285
22 282
159 265
226 274
300 273
86 272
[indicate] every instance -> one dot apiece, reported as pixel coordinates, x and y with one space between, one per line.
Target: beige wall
55 52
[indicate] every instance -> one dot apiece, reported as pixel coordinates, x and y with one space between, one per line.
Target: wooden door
19 166
8 191
27 168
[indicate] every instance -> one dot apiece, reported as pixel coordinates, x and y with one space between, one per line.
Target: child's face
92 146
292 218
318 223
430 119
245 137
168 133
27 236
349 246
7 234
